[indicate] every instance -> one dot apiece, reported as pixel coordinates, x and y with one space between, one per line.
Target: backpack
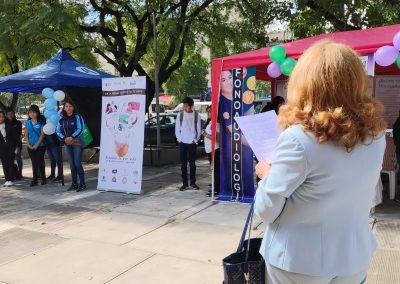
196 119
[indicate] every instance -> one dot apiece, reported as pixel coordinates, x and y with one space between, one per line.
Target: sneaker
43 182
57 179
51 177
33 183
194 186
9 183
73 187
5 184
183 187
81 187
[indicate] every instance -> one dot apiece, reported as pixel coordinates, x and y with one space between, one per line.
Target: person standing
17 125
7 148
69 131
53 152
207 133
36 147
312 198
187 132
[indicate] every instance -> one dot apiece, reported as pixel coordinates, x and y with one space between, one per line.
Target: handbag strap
246 226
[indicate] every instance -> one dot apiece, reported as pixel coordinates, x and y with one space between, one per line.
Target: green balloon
398 61
287 66
277 54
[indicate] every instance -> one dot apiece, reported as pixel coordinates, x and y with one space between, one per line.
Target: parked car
167 129
201 107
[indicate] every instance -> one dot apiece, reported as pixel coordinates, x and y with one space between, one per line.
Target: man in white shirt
187 132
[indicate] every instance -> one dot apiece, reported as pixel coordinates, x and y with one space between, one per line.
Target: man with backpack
187 132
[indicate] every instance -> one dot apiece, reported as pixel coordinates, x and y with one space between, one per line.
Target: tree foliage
310 18
32 31
190 79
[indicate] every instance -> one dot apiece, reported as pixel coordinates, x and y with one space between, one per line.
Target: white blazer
316 203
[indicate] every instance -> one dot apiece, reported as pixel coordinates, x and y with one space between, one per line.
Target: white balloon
59 95
49 129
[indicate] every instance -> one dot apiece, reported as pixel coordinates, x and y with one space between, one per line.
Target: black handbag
246 265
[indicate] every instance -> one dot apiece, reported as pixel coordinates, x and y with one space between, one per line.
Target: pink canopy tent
363 41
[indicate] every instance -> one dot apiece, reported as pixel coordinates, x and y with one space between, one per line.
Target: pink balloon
273 70
386 55
396 41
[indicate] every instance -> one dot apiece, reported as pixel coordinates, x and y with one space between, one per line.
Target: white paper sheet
261 132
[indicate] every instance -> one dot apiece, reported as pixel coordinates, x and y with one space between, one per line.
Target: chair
389 165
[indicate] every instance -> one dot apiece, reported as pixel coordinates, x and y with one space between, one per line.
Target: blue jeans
53 152
75 163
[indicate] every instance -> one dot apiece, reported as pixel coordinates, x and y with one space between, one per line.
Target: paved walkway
48 235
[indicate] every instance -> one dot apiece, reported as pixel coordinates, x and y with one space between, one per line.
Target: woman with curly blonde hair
316 196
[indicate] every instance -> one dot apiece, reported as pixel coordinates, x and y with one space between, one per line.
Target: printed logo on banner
236 170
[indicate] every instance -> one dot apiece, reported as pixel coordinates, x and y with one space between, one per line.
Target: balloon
50 104
386 55
396 41
277 54
49 113
287 66
59 95
273 70
49 129
54 119
47 92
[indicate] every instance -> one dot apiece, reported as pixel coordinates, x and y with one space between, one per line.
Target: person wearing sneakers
7 148
187 132
69 131
34 137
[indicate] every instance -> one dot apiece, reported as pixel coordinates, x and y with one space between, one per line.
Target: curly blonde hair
327 94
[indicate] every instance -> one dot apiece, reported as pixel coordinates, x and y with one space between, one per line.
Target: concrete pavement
48 235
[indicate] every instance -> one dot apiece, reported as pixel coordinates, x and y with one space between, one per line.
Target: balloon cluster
50 109
387 55
281 64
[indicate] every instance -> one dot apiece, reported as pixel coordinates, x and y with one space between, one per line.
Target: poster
236 99
122 134
387 90
368 64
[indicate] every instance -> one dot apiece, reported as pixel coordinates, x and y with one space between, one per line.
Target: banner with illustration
236 98
122 134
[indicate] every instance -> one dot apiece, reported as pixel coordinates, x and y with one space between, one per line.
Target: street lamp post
157 91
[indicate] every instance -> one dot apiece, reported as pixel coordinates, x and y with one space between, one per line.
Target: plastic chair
389 166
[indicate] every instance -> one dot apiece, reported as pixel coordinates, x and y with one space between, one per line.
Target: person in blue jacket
69 131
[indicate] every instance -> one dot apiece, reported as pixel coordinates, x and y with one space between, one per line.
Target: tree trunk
14 101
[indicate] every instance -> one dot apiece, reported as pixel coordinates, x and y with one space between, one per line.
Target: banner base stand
103 190
230 199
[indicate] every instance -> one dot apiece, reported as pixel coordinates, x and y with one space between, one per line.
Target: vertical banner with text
122 134
236 99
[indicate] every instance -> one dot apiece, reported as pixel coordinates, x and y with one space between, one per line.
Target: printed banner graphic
236 99
122 134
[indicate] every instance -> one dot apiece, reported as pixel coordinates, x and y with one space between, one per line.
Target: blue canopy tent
62 72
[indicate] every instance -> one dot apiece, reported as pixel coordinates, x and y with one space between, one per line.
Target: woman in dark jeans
69 130
53 152
34 137
17 125
7 148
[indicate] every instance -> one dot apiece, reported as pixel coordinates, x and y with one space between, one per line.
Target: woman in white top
316 196
207 146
